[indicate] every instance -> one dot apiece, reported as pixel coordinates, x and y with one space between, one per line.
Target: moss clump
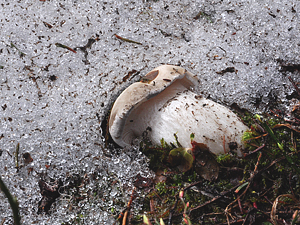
269 169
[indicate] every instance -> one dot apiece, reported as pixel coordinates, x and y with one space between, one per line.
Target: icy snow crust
53 100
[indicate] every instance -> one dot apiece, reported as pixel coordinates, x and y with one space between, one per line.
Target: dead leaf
205 163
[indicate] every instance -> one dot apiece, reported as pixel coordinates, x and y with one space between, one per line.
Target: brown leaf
205 164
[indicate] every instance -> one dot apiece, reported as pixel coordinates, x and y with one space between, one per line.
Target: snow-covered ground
53 100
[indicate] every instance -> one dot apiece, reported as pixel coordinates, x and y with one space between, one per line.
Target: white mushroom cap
150 86
163 104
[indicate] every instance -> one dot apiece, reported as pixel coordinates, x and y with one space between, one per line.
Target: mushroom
163 103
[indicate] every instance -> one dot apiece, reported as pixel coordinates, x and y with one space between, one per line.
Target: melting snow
53 100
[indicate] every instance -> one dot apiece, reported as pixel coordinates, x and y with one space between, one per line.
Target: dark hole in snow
27 157
49 192
53 77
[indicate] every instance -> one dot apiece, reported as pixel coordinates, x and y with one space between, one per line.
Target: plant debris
21 53
89 44
288 66
127 40
64 46
205 164
227 70
17 156
47 25
203 14
295 86
13 203
131 74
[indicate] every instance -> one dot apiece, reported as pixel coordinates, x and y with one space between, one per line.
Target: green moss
224 158
161 188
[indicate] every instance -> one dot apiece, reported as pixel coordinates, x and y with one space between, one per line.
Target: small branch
256 150
295 86
64 46
191 185
286 125
258 160
125 212
127 40
215 198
